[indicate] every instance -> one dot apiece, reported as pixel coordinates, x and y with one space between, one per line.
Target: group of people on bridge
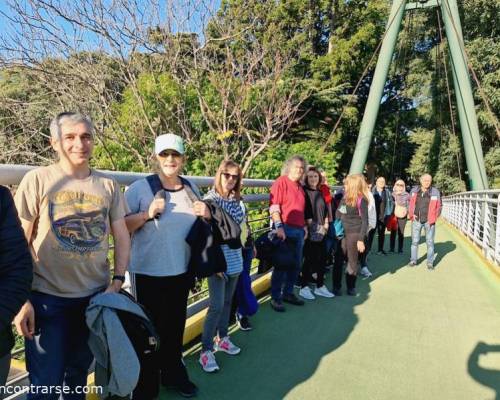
54 246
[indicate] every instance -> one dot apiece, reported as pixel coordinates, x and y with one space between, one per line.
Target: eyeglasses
228 175
166 153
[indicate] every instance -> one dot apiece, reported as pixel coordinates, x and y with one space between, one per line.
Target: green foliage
269 164
492 163
269 79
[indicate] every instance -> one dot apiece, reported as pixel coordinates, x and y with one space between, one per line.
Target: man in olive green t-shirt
67 211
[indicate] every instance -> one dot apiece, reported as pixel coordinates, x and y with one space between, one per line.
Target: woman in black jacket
316 213
353 212
16 273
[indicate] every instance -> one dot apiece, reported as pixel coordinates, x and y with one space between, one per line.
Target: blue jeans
221 291
59 354
288 278
430 230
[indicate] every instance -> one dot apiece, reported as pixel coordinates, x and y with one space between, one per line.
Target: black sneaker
337 292
276 305
244 323
381 253
351 292
292 299
185 389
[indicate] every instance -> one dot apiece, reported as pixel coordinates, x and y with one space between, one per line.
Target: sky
186 16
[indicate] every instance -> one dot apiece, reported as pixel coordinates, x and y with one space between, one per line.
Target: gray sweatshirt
114 354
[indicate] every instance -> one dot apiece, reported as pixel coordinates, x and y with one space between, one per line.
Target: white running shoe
226 346
366 272
323 291
306 293
207 361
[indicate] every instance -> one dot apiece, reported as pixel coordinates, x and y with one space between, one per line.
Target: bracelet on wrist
278 225
120 278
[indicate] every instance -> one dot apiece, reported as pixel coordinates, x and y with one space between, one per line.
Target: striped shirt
236 210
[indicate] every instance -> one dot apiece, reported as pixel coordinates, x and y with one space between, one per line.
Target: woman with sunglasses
159 223
221 286
401 201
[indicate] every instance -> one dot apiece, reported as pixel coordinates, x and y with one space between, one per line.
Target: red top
289 199
325 191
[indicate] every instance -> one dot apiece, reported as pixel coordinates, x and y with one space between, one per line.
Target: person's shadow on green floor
441 249
285 349
485 376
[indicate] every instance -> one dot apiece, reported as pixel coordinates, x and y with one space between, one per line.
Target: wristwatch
120 278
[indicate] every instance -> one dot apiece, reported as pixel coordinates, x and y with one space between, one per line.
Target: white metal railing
477 216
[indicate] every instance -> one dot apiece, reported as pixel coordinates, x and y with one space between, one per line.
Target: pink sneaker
207 361
226 346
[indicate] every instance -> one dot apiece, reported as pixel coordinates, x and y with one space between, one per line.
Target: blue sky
86 40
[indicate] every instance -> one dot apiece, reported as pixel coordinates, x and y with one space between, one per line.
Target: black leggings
314 261
401 235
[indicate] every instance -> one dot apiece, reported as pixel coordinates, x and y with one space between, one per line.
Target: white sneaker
226 346
366 272
306 293
207 361
323 291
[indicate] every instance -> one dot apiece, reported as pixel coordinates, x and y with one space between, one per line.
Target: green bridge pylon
463 89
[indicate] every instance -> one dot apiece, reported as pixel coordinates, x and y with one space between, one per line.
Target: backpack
141 332
155 185
339 228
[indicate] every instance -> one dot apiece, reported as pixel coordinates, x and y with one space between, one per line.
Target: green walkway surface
410 334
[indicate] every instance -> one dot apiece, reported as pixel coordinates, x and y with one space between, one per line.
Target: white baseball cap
169 141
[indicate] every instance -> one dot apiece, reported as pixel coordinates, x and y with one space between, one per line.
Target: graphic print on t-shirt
78 220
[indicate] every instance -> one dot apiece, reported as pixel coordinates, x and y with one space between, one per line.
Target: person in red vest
424 209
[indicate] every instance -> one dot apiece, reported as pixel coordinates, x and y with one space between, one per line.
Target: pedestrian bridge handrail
477 215
12 175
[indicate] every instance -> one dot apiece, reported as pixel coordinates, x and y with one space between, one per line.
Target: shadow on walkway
285 349
485 376
440 251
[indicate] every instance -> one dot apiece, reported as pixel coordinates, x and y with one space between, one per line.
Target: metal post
465 101
377 87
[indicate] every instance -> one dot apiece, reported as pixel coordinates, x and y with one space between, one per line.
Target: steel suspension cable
358 84
471 68
452 117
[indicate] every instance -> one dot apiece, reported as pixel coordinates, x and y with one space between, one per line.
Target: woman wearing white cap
160 222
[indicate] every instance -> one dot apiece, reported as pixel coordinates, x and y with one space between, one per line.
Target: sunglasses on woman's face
228 176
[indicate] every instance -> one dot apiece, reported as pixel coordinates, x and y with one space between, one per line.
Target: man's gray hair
70 118
288 164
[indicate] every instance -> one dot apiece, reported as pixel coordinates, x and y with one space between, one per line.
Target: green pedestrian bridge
410 333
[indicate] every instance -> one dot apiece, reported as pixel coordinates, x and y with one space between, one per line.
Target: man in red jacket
424 209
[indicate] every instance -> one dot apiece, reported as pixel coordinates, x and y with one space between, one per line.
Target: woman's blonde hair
224 165
355 186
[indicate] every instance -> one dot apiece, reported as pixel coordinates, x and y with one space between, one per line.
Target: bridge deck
410 334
